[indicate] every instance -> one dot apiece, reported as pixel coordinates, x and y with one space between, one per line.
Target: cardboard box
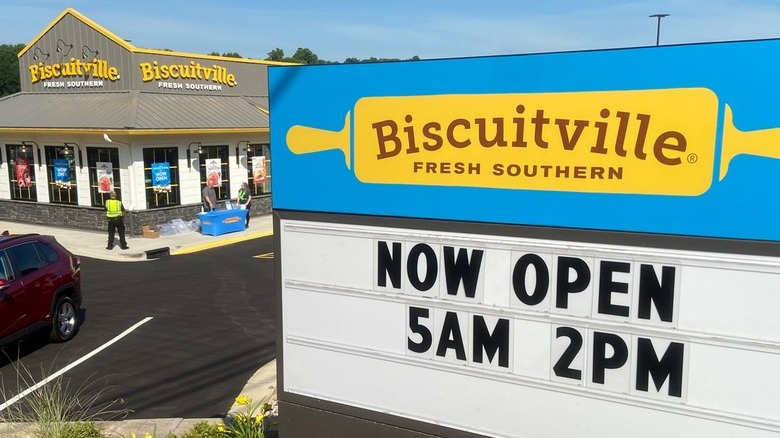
151 233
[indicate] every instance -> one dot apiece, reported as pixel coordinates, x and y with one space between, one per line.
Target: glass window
21 172
61 168
26 258
103 174
259 179
161 177
6 273
48 254
214 164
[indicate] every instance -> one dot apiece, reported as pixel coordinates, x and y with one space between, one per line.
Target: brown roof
131 110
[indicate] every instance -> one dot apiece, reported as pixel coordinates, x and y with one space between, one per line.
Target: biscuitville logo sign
660 142
82 73
214 76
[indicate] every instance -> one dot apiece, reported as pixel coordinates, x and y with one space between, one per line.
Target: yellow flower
221 427
258 419
148 435
243 400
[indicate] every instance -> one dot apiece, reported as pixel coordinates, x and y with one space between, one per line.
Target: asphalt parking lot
176 337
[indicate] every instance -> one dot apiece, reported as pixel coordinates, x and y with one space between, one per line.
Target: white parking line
27 391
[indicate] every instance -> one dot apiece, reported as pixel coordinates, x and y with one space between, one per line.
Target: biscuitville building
97 114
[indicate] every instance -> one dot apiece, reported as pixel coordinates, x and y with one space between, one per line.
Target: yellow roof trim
211 57
131 48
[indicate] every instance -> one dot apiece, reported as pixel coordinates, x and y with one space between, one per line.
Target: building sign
74 74
161 177
75 55
495 331
181 76
62 173
105 177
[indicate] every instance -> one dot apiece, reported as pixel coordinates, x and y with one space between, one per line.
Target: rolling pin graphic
634 142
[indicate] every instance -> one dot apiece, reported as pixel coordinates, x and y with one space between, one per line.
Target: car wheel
64 320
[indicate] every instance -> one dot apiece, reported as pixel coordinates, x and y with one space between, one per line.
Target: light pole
658 31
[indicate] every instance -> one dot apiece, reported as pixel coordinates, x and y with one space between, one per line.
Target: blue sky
336 30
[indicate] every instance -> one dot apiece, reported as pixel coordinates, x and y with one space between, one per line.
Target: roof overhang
132 113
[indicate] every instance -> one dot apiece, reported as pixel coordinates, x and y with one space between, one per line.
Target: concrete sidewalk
261 387
92 244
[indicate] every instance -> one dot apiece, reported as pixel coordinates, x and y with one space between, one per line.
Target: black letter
671 366
432 269
561 367
462 269
661 293
600 361
564 288
451 337
607 287
415 313
387 264
498 340
542 279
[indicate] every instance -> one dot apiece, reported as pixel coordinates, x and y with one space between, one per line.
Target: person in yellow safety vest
115 213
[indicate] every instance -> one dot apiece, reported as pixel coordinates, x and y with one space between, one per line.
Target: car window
6 273
26 258
48 254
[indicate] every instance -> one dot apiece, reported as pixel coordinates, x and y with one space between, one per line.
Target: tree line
9 63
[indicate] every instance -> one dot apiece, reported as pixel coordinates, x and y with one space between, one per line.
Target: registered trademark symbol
692 158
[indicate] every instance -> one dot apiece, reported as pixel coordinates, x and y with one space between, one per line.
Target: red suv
40 286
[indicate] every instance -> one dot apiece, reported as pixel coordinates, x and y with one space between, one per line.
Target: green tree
275 55
305 56
9 69
231 55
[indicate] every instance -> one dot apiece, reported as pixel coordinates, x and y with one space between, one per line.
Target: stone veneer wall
93 218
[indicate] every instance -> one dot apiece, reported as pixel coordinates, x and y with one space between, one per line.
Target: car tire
64 320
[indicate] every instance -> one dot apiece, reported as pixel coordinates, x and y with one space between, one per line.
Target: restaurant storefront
97 114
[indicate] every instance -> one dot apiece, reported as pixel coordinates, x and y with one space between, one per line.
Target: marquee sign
413 271
502 335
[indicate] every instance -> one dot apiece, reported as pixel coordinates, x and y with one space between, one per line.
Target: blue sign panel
61 172
161 176
679 140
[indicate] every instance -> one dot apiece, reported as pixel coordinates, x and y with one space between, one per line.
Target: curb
209 245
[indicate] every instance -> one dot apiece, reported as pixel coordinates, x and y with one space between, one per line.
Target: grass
59 410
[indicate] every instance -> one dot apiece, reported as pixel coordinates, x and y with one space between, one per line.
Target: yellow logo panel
639 142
